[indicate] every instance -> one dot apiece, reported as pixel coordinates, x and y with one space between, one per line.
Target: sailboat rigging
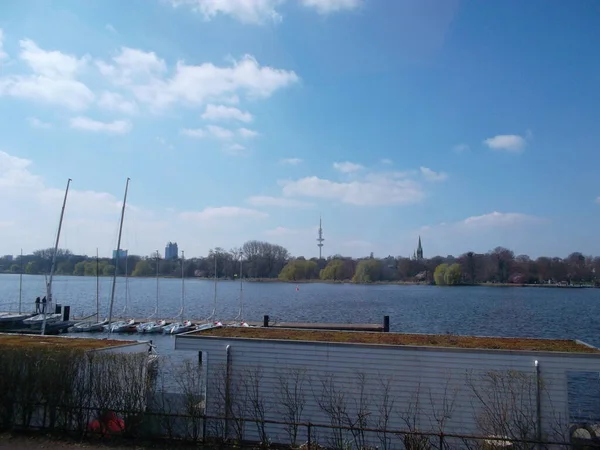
154 326
112 327
44 318
91 326
185 325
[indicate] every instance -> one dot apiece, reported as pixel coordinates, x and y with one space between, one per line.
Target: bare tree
386 406
332 401
292 399
414 440
256 402
358 418
506 403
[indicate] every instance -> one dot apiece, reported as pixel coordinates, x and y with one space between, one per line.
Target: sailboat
6 317
209 320
90 326
186 325
153 326
129 325
44 318
122 325
239 320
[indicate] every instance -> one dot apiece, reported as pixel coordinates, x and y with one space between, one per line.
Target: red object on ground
108 424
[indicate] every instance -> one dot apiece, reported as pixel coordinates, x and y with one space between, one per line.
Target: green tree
33 267
453 275
368 271
15 268
79 268
142 269
108 269
439 276
298 269
337 269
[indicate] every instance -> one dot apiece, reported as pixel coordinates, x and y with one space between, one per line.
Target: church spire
419 250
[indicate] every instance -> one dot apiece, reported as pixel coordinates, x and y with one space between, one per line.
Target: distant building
171 250
8 257
119 254
418 254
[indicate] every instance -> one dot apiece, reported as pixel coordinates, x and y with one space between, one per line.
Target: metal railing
204 429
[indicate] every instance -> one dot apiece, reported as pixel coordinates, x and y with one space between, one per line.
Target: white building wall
426 383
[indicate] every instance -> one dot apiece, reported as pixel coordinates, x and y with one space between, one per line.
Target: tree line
263 260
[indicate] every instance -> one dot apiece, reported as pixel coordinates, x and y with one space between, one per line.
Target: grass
427 340
12 341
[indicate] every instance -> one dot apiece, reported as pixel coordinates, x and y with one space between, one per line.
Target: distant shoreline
382 283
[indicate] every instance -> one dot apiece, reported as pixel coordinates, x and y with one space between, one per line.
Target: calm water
524 312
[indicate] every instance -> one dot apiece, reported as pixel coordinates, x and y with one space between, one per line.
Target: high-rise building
171 250
120 254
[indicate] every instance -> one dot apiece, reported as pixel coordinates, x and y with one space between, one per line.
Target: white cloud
222 112
331 6
374 189
235 149
508 142
259 11
87 124
37 123
3 54
358 244
461 148
347 167
162 141
212 214
109 27
283 202
598 200
113 101
145 75
53 79
431 175
246 11
219 132
290 161
246 133
92 217
386 161
194 132
496 219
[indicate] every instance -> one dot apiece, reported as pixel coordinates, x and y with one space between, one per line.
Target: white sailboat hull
38 319
88 327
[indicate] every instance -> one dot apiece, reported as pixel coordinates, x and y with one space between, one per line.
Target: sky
471 124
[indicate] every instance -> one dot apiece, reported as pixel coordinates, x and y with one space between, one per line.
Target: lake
491 311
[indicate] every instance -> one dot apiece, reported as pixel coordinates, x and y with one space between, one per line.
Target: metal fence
220 432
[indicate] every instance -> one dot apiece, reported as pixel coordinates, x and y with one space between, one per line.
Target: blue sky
472 124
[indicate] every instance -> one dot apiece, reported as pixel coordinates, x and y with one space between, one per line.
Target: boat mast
112 293
157 272
97 287
182 286
20 280
53 265
215 299
241 287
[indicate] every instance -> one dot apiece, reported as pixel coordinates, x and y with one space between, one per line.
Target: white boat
152 327
88 327
13 317
122 326
208 326
179 327
38 319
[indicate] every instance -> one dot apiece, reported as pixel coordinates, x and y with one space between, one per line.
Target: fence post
441 441
308 427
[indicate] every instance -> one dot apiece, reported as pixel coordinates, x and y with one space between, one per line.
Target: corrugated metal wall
428 389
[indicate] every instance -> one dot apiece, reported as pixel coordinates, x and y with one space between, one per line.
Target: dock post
266 321
66 313
386 324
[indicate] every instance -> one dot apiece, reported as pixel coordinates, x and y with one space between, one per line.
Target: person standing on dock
37 305
44 305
